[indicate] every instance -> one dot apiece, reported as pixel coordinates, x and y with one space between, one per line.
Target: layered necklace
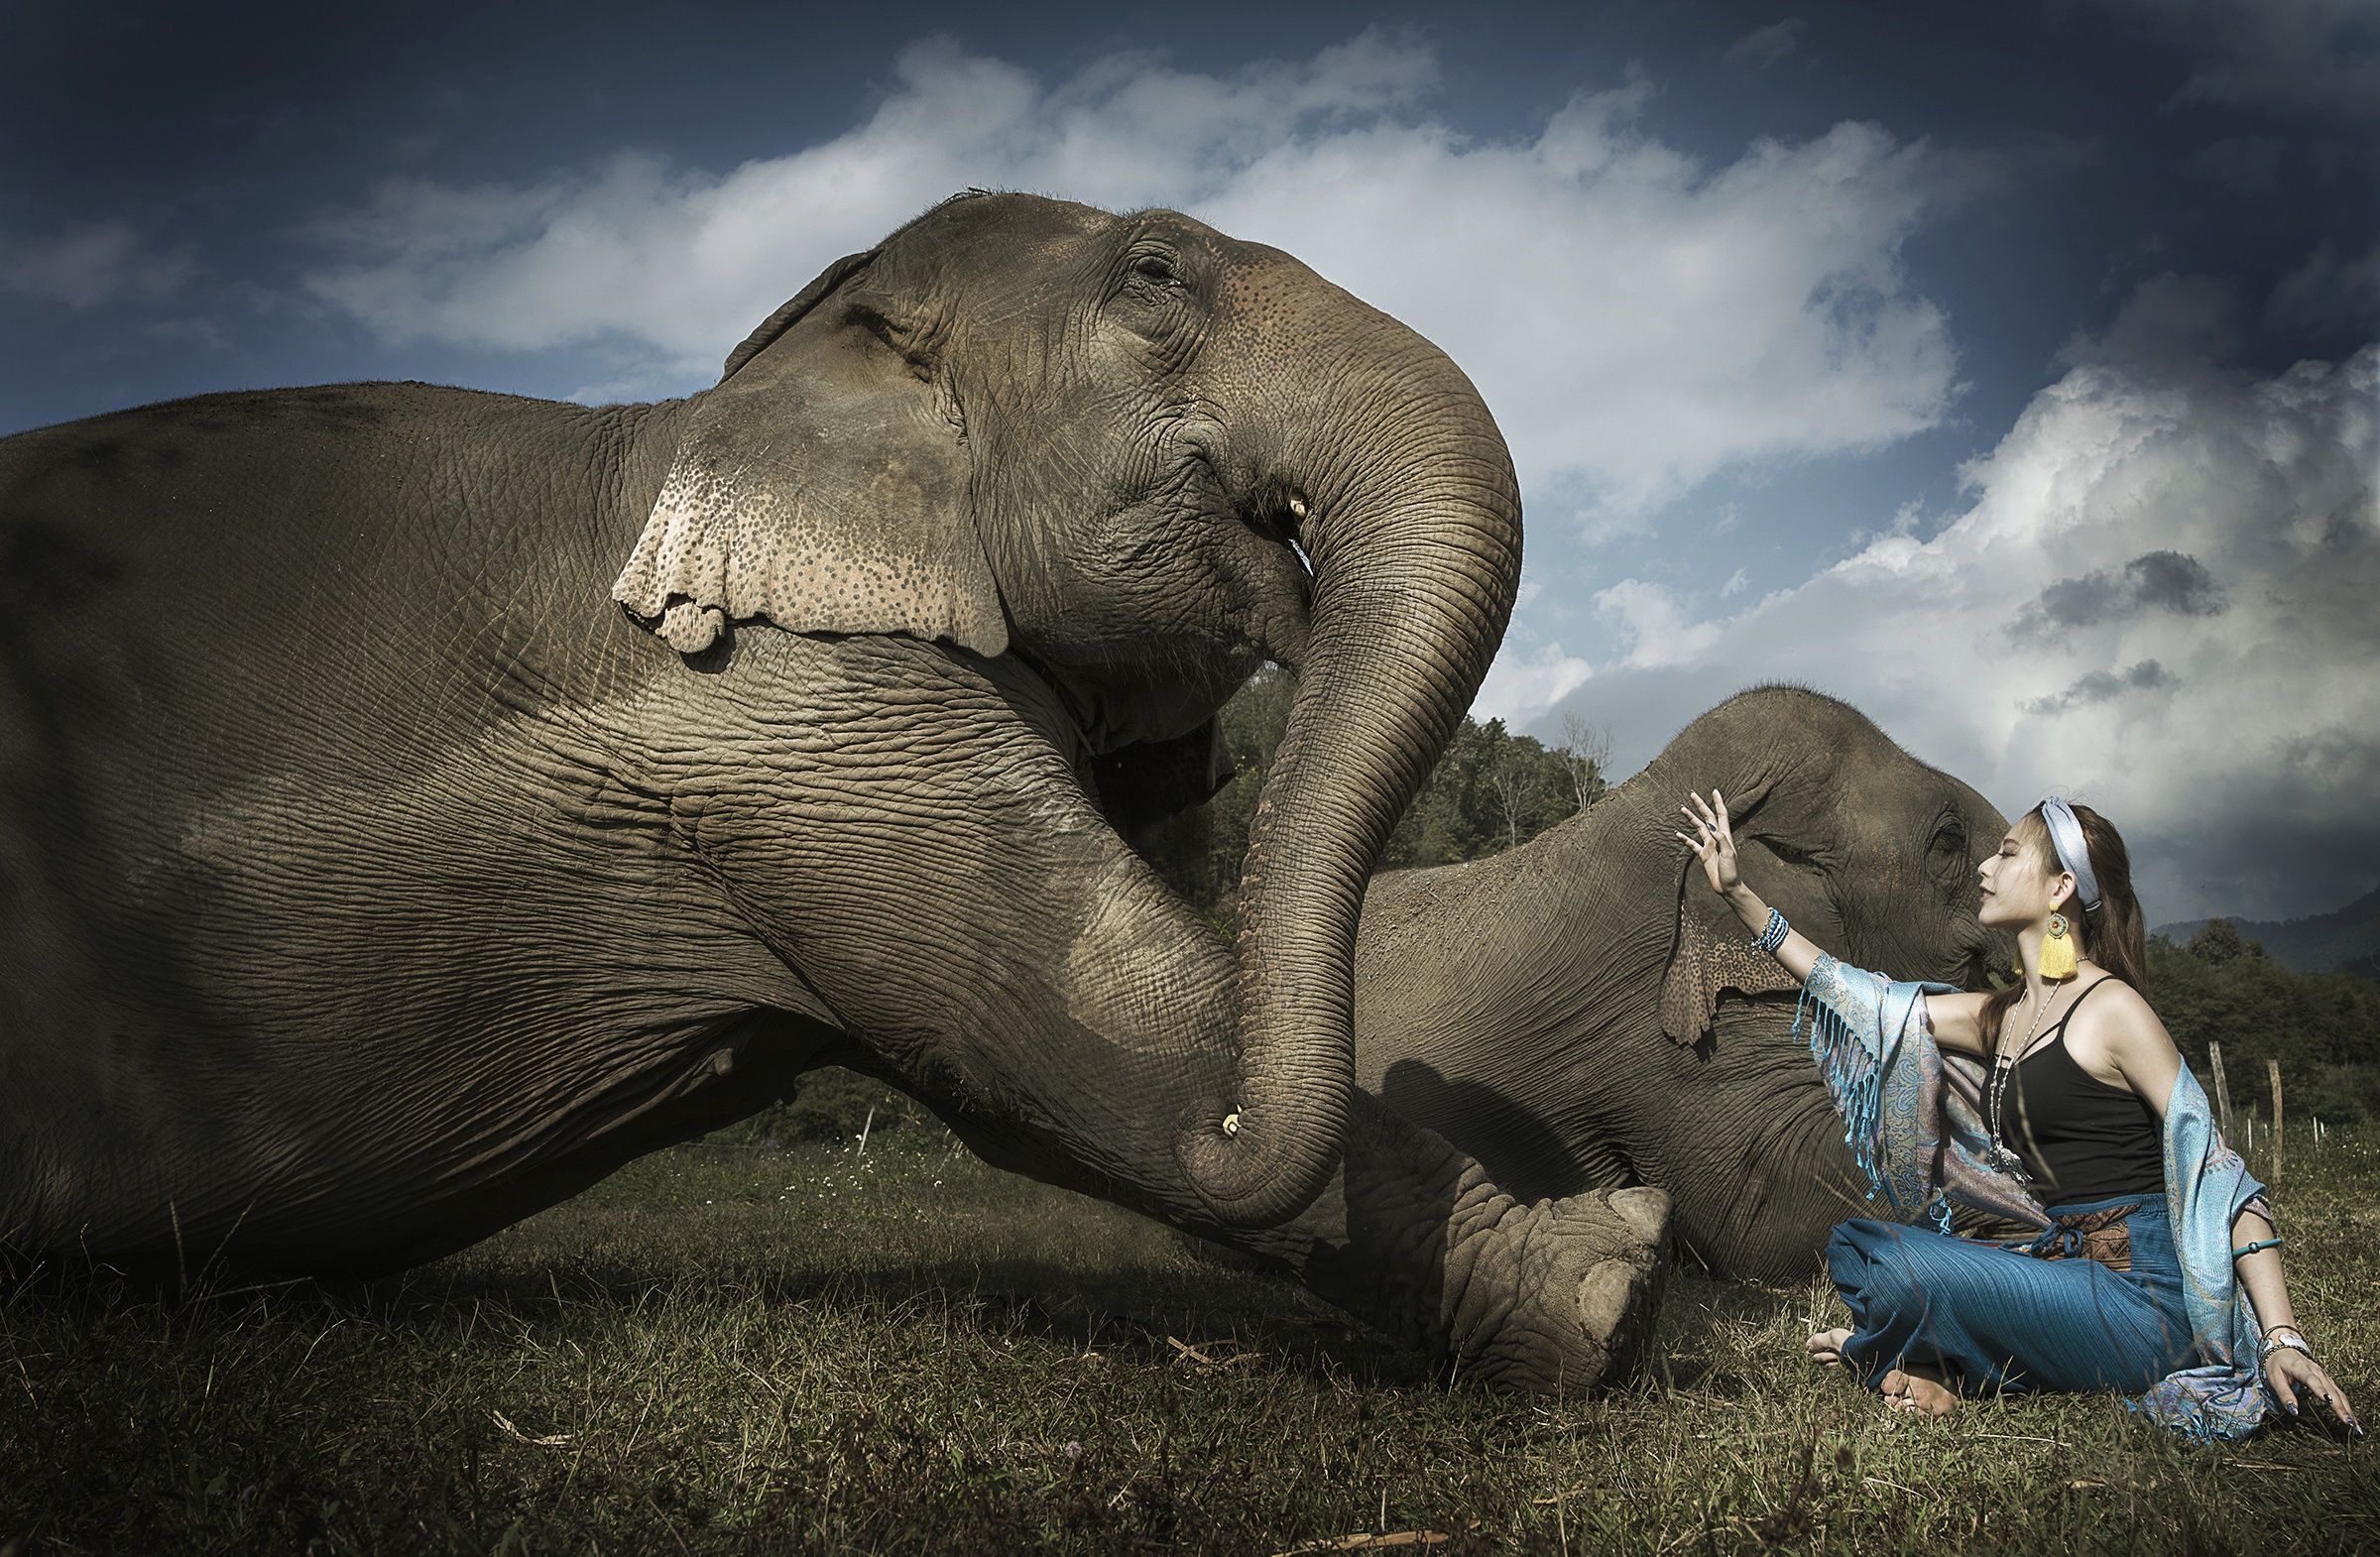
2003 1066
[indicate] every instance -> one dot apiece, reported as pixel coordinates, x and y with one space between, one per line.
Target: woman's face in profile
2017 885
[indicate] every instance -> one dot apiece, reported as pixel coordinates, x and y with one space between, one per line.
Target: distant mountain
2347 939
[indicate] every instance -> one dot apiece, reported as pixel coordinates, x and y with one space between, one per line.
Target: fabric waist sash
2098 1230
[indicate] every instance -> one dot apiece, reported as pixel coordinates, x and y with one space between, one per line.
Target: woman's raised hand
1713 842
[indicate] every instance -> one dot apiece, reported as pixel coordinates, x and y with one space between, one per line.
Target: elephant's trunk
1414 538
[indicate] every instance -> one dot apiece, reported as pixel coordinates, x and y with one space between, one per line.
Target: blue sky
2014 379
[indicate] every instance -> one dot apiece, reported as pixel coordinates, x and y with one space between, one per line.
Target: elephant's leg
1413 1235
945 884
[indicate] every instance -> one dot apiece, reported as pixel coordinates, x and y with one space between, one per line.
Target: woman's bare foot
1825 1347
1919 1391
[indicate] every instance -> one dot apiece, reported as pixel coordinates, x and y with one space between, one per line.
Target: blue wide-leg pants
1997 1319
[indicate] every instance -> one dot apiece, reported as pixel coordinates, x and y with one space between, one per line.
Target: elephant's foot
1560 1298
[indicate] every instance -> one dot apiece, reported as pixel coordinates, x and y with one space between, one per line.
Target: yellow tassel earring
2057 951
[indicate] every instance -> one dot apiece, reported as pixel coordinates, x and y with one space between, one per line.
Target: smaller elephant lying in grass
1572 1017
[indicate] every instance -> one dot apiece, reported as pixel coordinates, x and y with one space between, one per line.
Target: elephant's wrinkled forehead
987 236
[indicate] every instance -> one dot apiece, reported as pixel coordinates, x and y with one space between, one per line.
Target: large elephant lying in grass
369 879
1580 1011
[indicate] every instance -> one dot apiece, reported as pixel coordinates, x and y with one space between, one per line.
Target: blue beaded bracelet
2270 1242
1774 935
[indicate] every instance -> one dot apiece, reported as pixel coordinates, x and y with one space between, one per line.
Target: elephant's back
1447 951
283 682
243 639
205 592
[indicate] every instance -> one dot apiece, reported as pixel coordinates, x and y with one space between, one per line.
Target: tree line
1491 791
2324 1027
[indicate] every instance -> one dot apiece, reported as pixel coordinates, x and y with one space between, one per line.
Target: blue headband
2065 836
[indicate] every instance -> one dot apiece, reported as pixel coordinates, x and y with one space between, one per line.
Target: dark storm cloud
2153 582
2331 291
2310 56
2275 840
1763 47
2102 686
91 263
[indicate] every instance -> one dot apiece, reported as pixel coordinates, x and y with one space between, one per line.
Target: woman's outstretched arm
1955 1019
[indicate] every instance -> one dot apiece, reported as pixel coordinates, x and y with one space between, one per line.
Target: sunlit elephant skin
1582 1011
371 878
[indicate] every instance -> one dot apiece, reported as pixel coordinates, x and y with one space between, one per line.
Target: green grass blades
811 1351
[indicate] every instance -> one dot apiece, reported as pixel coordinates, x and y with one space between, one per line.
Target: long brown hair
2116 935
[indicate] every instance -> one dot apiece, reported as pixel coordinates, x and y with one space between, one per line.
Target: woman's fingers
2327 1387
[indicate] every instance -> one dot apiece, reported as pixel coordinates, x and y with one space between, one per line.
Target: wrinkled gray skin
1552 1013
370 879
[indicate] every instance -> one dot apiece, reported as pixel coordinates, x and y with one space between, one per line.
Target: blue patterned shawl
1916 1128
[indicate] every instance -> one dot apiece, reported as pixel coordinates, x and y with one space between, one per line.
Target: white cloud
1520 685
2159 600
1637 319
91 263
1653 625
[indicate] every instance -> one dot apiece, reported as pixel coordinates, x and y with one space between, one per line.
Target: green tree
1491 789
2324 1027
2218 942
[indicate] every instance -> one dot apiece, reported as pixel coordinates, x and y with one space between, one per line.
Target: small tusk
1230 1123
1298 506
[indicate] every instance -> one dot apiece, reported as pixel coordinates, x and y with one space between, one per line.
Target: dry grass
742 1351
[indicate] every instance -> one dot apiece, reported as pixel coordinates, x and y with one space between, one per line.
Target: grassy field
738 1350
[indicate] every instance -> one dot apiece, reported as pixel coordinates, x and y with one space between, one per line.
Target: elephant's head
1868 851
1147 457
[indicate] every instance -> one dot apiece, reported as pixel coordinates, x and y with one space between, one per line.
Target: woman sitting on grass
2085 1124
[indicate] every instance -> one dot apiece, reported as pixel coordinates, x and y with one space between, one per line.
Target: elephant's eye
1155 293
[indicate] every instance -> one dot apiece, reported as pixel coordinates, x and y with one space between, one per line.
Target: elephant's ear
822 485
1712 955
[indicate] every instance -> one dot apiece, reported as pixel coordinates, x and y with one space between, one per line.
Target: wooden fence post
2223 1090
2276 1072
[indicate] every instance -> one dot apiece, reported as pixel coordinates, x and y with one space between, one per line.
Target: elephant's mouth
1975 972
1280 515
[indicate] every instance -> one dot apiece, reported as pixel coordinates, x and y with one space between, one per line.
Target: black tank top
2081 1138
